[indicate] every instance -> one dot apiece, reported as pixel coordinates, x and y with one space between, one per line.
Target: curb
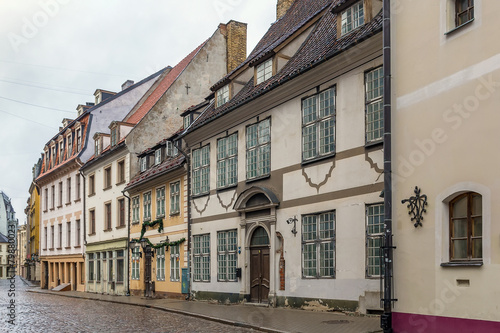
176 311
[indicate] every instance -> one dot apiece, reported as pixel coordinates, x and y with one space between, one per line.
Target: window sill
68 203
77 246
376 143
68 247
120 182
317 159
52 209
46 210
161 216
59 248
51 249
196 196
459 27
175 214
120 227
227 188
78 200
60 206
462 264
107 188
92 234
258 178
108 230
91 194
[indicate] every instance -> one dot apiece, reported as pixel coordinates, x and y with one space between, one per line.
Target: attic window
144 163
158 156
70 145
353 17
187 121
264 71
114 136
222 95
98 146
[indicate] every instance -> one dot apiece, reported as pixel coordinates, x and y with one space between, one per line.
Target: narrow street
49 313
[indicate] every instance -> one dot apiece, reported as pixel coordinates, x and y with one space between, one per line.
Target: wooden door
147 272
259 274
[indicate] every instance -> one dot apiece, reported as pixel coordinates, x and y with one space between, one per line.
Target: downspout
386 318
188 165
128 239
84 218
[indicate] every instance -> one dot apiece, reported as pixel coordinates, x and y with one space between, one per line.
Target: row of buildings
337 166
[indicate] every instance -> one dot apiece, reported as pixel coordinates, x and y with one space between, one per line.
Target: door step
261 305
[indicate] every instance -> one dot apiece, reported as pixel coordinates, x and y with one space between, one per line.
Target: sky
55 53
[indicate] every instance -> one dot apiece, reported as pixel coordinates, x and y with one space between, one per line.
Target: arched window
466 227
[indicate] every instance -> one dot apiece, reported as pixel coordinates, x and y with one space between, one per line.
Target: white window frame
160 202
175 188
318 125
374 108
69 141
222 95
160 264
374 239
264 71
352 18
157 156
143 163
146 205
201 258
227 161
312 238
136 263
136 209
175 260
258 149
201 170
227 257
170 149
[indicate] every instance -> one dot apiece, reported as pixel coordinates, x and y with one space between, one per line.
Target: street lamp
144 243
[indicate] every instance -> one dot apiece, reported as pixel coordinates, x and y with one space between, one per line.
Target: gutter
128 239
388 248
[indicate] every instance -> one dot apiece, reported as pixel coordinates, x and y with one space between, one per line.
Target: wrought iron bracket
416 206
294 221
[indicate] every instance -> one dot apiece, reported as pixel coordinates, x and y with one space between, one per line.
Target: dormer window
222 95
70 146
98 146
264 71
61 151
114 136
171 149
46 160
144 163
353 17
158 156
53 155
187 121
78 139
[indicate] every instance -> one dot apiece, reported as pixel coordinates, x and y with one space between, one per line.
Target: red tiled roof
156 171
321 45
164 85
296 16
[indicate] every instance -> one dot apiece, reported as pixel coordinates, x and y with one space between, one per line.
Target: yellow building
33 228
159 219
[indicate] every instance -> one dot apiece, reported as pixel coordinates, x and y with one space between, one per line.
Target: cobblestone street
49 313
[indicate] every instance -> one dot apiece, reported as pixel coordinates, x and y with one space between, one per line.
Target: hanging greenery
152 224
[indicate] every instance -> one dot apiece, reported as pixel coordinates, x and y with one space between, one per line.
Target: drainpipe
128 239
386 318
83 219
188 164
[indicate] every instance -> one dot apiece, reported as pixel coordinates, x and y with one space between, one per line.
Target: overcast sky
55 53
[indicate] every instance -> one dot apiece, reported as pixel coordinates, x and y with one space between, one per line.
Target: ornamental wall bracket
416 206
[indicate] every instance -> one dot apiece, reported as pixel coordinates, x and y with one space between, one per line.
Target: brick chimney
236 43
282 7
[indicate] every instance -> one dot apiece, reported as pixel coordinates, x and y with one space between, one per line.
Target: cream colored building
21 251
5 272
446 97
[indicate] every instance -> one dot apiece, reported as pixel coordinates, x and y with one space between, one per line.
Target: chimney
282 7
127 84
236 43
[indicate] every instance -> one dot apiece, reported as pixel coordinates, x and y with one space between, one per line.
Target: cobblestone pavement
51 313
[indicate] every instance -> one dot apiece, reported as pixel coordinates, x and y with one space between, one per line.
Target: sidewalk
260 318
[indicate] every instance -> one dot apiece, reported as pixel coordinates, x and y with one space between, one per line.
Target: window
91 222
201 257
466 227
374 81
45 240
258 139
174 198
136 260
98 149
59 229
77 187
47 165
77 233
107 216
144 163
52 237
61 151
91 267
110 265
174 263
226 255
78 140
92 185
60 194
464 11
135 209
68 190
227 161
121 172
146 200
264 71
318 245
98 268
201 170
53 156
222 95
160 264
374 239
46 196
160 202
187 121
171 150
157 156
120 266
121 212
352 17
70 146
107 178
318 125
68 234
114 136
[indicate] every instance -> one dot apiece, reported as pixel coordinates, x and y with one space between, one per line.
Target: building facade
33 228
8 219
446 79
5 271
286 166
21 251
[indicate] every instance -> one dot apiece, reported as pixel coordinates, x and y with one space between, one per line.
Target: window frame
222 95
92 226
355 24
91 184
158 156
121 212
257 147
317 242
68 234
68 190
160 264
175 266
201 182
378 100
227 257
201 257
120 171
374 236
228 158
143 161
146 205
175 197
264 71
107 174
460 11
136 209
136 263
160 201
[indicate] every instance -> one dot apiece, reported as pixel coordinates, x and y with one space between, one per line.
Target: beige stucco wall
445 128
